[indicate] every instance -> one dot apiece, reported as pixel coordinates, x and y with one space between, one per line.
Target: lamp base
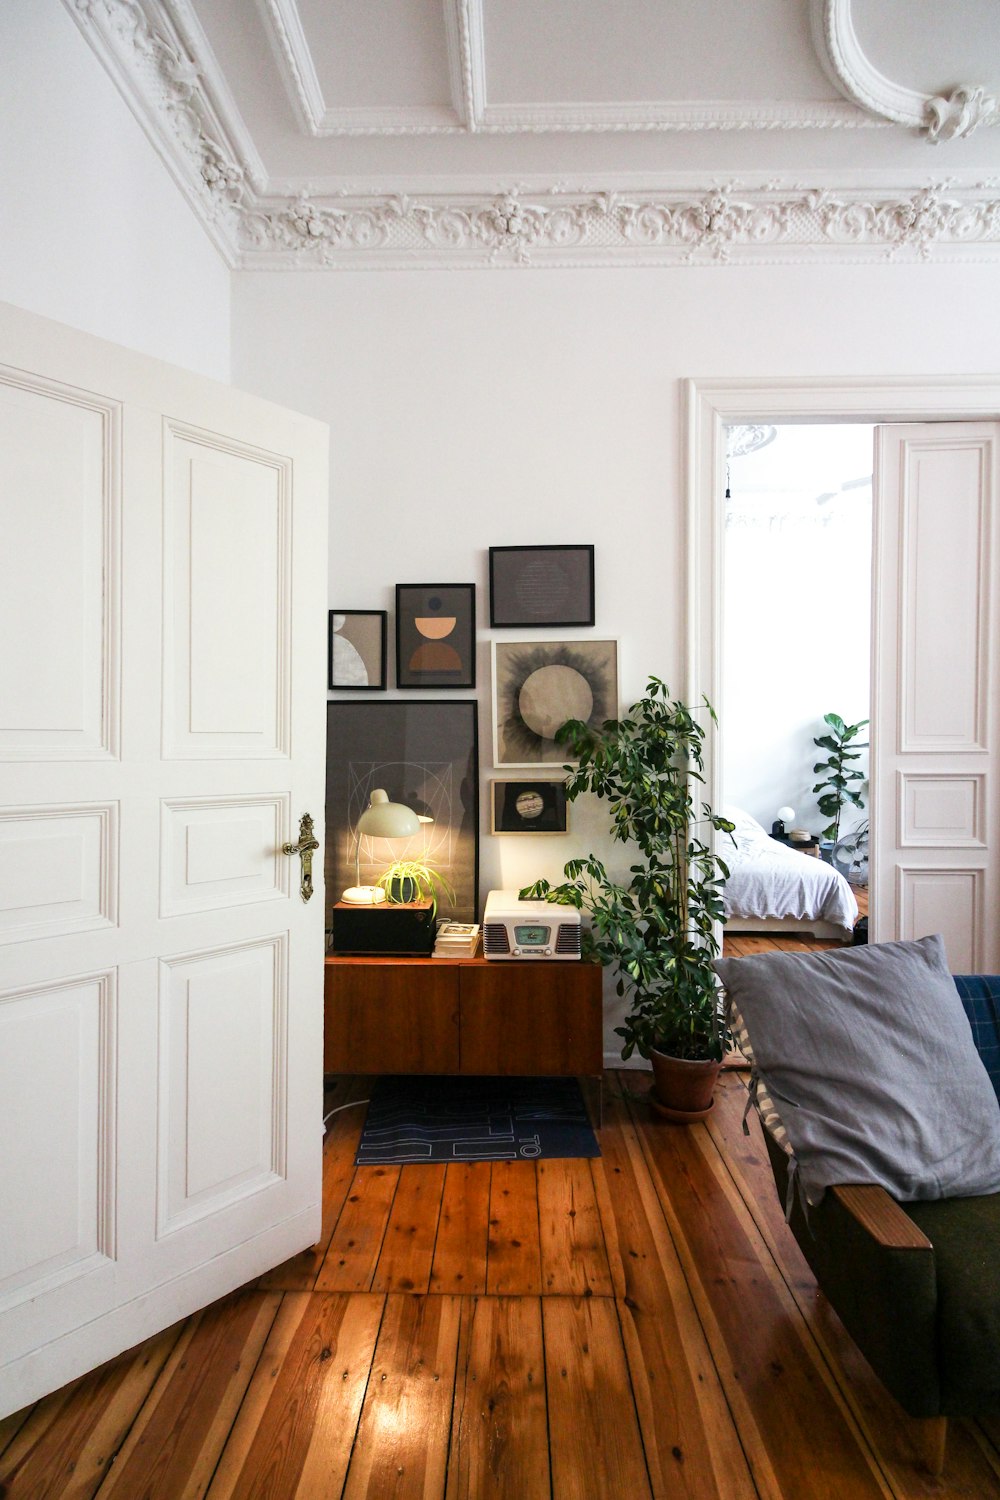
364 895
385 928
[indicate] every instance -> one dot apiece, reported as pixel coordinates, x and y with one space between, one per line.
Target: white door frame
713 404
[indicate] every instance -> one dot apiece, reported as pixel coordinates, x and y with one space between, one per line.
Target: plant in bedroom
659 927
839 786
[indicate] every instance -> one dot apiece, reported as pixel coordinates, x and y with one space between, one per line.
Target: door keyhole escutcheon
304 849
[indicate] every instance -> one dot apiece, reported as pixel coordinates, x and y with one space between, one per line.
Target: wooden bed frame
799 926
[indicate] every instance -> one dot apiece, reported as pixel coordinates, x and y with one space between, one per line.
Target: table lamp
780 826
381 819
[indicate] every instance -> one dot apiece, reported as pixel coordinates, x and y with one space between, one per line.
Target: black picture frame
432 653
536 807
532 587
424 753
365 632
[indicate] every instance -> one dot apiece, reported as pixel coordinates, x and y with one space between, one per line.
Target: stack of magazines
456 940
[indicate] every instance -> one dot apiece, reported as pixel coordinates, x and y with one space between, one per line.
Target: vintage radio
529 929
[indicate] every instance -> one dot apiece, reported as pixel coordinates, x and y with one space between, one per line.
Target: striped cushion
769 1117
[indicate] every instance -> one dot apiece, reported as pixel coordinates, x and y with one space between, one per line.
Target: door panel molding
941 809
60 690
222 1083
946 900
226 628
61 1221
943 617
197 875
58 870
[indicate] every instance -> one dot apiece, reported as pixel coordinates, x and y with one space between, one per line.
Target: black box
386 928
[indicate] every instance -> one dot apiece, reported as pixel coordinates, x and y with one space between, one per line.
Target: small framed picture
533 586
435 635
356 650
529 807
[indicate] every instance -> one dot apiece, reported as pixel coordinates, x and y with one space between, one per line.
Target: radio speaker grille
495 938
568 938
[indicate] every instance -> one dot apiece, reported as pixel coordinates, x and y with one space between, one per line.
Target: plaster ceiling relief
324 134
917 63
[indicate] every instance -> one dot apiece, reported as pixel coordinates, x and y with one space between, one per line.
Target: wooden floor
641 1324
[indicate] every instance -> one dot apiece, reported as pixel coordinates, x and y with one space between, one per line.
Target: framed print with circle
356 650
538 685
542 587
435 635
536 807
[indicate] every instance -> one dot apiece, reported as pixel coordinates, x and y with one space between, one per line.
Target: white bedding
770 880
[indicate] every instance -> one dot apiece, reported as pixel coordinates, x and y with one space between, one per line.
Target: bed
773 888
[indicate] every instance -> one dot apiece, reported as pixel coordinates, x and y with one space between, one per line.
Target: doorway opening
943 873
796 648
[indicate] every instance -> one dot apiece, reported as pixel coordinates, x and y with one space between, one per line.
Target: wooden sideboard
462 1015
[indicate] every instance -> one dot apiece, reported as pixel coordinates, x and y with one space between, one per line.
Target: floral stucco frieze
160 60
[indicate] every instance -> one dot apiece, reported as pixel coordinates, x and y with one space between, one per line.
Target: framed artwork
538 685
424 754
528 807
355 654
536 586
435 635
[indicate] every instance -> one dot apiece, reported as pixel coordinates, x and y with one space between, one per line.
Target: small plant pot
402 890
683 1087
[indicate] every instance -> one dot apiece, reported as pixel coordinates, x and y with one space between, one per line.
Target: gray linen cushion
868 1056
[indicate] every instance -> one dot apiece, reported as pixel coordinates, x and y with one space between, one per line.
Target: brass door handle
304 849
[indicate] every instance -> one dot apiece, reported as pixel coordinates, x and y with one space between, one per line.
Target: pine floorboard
641 1324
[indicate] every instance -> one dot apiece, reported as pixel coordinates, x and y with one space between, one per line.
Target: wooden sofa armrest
881 1217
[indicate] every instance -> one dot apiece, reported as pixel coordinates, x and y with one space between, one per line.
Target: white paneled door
162 722
935 752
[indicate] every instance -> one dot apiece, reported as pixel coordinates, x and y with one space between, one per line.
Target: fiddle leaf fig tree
840 784
659 927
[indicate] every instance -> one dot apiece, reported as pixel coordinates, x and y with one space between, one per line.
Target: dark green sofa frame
917 1288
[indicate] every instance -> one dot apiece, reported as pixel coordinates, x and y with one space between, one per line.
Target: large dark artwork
422 754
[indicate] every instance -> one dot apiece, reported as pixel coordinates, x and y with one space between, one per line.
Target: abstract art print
528 807
538 685
535 587
356 650
423 754
435 635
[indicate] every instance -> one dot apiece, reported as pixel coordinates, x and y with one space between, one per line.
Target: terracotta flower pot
682 1087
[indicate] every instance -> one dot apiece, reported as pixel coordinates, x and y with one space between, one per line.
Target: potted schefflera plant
659 928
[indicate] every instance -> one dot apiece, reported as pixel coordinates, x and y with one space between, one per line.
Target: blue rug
475 1119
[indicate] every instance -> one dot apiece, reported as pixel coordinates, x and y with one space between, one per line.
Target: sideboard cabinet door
531 1019
391 1017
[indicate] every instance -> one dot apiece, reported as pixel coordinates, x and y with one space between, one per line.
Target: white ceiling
305 131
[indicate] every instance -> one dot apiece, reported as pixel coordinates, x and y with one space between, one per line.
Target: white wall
797 606
94 232
478 408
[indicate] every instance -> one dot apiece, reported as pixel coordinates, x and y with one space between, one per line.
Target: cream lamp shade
381 819
786 814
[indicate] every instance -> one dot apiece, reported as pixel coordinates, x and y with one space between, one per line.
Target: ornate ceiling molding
726 225
161 62
942 117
